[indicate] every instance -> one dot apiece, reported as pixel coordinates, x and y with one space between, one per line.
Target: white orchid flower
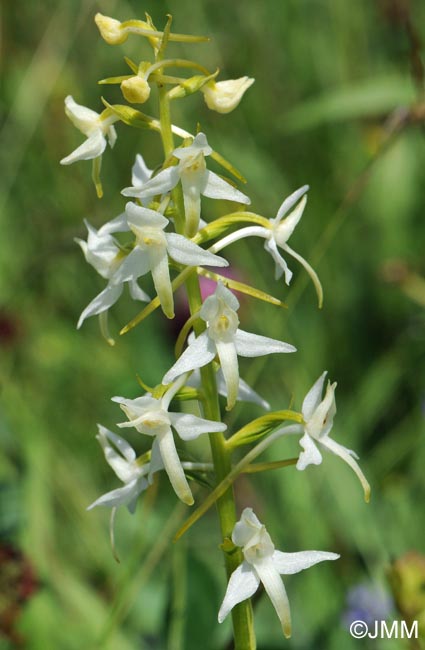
224 96
245 392
101 250
196 179
318 415
151 417
135 476
276 233
97 127
151 251
262 563
224 338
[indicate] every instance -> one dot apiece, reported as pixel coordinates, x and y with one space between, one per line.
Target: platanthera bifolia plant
163 231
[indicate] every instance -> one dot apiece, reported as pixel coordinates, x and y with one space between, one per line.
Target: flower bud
136 90
224 96
110 29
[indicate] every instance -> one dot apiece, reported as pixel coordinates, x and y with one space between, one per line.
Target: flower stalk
242 616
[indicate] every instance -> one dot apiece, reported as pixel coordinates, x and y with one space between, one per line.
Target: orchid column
161 232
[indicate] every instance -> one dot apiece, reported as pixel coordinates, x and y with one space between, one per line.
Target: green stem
242 616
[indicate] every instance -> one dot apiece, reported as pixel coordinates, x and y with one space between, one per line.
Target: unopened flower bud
136 90
110 29
224 96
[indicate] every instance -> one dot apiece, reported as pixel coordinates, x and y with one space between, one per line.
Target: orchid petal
254 345
184 251
141 217
103 301
138 404
112 136
285 228
190 427
140 172
200 352
122 496
192 185
93 147
85 119
313 397
159 184
132 267
289 202
243 583
275 590
199 145
122 445
217 188
122 468
311 455
173 467
212 306
247 526
229 365
320 423
312 273
156 462
161 278
119 224
290 563
348 457
281 265
100 250
223 293
136 292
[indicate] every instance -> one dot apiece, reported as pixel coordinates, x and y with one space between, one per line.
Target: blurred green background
330 107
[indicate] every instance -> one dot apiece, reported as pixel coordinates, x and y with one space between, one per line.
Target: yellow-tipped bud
110 29
224 96
136 90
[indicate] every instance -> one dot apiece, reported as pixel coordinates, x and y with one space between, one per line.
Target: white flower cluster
144 240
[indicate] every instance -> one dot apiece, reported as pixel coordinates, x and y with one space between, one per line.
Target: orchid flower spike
224 338
318 415
224 96
101 250
276 233
151 251
262 563
151 417
97 127
195 178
